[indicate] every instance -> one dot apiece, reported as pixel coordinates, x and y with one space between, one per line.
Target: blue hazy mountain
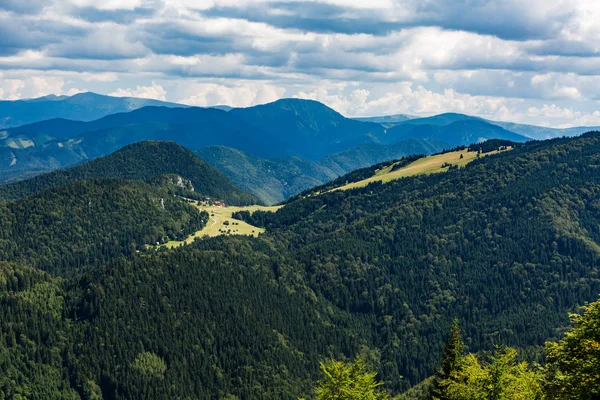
81 107
304 129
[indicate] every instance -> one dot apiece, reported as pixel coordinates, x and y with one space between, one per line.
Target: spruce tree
451 362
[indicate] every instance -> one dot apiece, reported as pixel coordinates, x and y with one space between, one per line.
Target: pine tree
451 362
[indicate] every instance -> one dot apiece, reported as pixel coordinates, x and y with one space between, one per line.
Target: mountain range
90 307
285 147
303 136
529 131
80 107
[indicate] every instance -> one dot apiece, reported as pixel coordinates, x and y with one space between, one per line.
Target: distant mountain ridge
285 128
387 119
457 132
529 131
86 106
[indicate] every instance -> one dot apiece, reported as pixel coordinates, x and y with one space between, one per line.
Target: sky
527 61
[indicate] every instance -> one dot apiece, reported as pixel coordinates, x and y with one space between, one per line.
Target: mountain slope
271 180
529 131
310 128
509 244
274 180
144 161
79 224
369 154
82 107
387 120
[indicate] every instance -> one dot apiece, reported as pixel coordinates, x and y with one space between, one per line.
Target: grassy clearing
220 222
427 165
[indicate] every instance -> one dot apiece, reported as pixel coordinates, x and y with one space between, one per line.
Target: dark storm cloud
506 19
565 48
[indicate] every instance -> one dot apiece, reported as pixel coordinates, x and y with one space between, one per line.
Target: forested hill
86 222
509 244
141 161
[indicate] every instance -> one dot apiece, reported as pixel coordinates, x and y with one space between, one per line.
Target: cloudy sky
531 61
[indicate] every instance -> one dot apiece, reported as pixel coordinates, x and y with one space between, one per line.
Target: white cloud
553 111
502 59
210 94
32 86
408 100
10 89
156 92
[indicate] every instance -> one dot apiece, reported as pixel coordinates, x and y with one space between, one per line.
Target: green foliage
508 244
32 334
150 365
573 364
348 381
452 359
503 378
77 225
492 145
421 391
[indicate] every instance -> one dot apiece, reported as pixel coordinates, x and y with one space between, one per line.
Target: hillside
271 180
369 154
82 223
435 164
509 245
483 243
404 166
276 179
141 161
81 107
